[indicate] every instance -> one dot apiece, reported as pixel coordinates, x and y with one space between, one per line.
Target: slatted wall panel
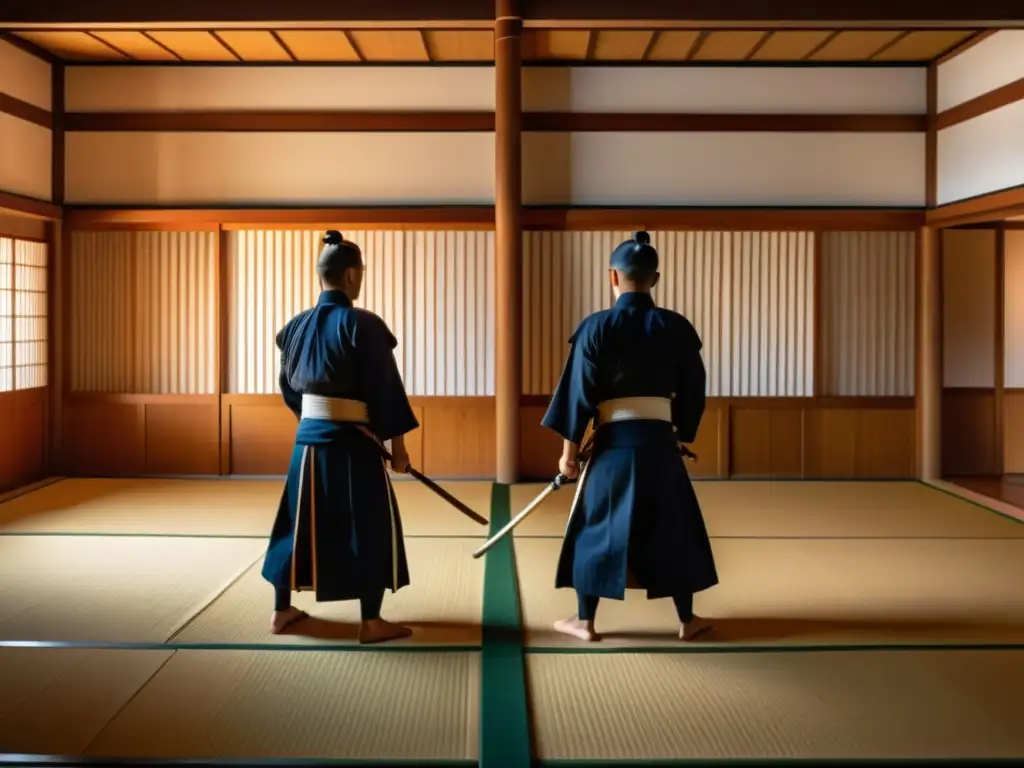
30 313
565 278
434 290
867 313
768 315
750 296
6 314
144 312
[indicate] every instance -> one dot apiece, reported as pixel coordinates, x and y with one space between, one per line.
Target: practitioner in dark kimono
338 531
637 372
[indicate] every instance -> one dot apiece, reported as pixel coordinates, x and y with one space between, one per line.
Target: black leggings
588 607
369 607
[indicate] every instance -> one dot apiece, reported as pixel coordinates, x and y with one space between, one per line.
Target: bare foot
380 631
581 630
693 629
281 620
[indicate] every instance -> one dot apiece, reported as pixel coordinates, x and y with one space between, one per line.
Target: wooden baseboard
252 435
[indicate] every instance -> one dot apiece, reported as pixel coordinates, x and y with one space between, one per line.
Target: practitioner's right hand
399 461
568 468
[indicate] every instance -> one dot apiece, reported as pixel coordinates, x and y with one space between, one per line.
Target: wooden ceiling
392 46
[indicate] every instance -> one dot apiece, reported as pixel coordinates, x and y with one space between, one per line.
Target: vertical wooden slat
431 288
867 310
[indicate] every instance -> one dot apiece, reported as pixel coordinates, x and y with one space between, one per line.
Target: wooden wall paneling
766 438
455 439
105 436
182 435
260 433
968 420
22 438
968 431
1013 423
458 435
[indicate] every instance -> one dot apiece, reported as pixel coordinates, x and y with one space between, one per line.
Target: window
6 314
23 332
30 363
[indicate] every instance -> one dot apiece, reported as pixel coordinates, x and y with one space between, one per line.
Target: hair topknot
333 237
642 237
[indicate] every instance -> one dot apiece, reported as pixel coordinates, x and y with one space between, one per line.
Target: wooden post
928 395
1000 346
508 33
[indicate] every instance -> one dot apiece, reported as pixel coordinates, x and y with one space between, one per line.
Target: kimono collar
637 299
339 298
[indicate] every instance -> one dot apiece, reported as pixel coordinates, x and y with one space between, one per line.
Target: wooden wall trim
1000 350
720 219
419 217
15 107
991 207
283 121
29 206
721 123
816 401
131 398
534 218
980 105
335 121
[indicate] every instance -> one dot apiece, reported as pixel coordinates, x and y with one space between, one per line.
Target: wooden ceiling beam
654 13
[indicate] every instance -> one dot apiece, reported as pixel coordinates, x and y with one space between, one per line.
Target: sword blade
428 482
553 486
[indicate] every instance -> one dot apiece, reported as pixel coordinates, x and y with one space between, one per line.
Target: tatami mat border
505 732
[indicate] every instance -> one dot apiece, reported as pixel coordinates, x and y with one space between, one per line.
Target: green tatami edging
505 738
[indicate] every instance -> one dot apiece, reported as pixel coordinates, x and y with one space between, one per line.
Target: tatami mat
766 705
443 604
810 591
222 704
57 700
229 507
108 589
804 509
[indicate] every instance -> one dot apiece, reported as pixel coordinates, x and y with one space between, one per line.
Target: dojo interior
838 208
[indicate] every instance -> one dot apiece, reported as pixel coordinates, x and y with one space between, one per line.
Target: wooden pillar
508 33
928 383
58 301
1000 348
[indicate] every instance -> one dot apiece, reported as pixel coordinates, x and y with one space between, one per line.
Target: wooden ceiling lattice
394 46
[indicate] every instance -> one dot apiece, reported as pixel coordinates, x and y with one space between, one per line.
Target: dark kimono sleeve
691 394
292 399
575 400
379 381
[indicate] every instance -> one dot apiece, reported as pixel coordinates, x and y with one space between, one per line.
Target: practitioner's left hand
399 462
568 468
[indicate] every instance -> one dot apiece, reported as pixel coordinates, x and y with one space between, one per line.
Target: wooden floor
854 620
1008 488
